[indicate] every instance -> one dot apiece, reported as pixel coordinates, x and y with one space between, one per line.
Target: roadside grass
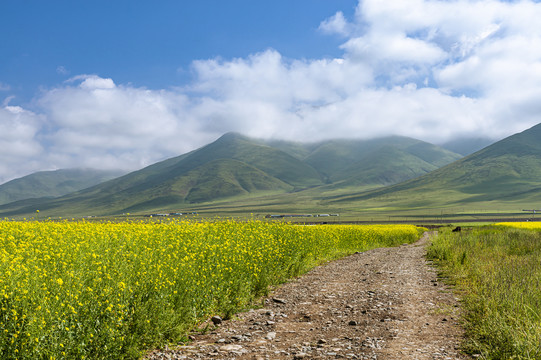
496 270
102 290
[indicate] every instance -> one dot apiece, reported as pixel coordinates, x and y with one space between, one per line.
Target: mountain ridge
235 165
53 183
506 171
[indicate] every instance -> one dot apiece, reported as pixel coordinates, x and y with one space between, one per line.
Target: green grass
497 273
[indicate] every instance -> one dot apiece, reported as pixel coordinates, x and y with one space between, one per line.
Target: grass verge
497 272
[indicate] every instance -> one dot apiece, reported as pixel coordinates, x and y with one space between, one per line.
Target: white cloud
336 24
393 48
471 62
18 141
127 127
92 82
269 77
430 69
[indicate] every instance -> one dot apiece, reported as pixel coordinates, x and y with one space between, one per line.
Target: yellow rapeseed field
112 290
531 225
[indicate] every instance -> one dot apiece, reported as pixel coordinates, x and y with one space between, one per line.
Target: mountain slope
386 166
217 179
378 162
53 183
275 162
507 171
231 166
235 167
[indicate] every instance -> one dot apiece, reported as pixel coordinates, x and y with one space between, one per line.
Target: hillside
377 162
508 171
233 165
236 168
53 183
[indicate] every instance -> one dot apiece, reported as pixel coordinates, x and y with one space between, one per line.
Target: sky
123 84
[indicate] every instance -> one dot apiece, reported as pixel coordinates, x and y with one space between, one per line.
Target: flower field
530 225
113 290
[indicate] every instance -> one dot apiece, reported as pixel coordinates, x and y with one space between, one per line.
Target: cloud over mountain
429 69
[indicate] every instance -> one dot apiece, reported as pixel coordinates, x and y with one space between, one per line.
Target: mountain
53 183
273 161
386 166
377 162
508 171
236 168
233 165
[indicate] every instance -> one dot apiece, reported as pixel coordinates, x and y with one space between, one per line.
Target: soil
385 303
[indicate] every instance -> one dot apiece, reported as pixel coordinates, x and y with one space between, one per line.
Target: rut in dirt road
381 304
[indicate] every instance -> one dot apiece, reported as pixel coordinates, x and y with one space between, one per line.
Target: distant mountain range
237 167
53 183
239 175
506 172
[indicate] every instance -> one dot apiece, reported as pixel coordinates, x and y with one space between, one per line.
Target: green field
496 271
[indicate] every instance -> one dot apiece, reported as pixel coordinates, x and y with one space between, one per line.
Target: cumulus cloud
336 24
269 77
429 69
19 142
92 82
116 126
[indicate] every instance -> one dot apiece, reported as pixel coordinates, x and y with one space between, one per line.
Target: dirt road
380 304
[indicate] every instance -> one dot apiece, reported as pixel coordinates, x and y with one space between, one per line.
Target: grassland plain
497 271
113 290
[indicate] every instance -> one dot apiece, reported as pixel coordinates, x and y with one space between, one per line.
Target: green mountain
377 162
386 166
231 166
53 183
508 171
236 169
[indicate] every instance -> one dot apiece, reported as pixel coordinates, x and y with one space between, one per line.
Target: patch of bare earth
381 304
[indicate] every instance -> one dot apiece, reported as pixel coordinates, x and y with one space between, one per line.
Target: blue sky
123 84
150 43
